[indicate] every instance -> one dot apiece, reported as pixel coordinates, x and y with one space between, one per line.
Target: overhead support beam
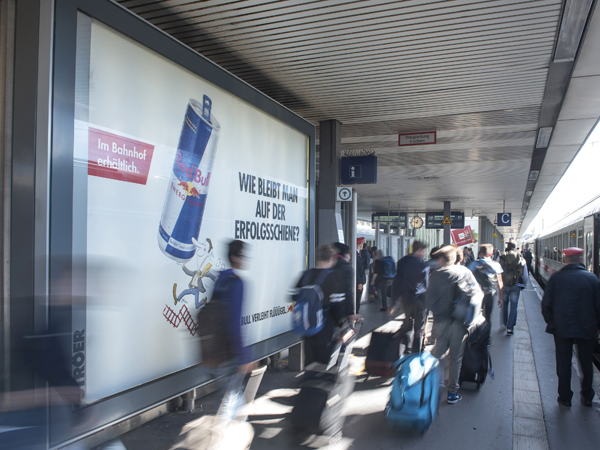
447 227
330 144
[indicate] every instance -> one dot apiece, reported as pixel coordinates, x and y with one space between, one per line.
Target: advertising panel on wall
168 168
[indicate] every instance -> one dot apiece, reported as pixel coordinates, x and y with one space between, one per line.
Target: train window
573 238
555 248
559 247
580 238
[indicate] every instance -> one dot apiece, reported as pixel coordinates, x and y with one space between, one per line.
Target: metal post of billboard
447 227
377 234
353 216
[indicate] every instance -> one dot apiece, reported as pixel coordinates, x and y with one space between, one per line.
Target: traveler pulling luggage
476 358
415 397
384 350
324 390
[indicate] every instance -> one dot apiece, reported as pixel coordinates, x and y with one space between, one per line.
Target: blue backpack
388 267
308 317
415 397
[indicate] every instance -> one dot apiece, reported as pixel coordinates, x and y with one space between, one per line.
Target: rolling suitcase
384 350
319 405
476 358
415 396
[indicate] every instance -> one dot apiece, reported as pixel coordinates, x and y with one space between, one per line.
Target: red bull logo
189 188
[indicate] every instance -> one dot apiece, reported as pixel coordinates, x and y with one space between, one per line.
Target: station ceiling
485 75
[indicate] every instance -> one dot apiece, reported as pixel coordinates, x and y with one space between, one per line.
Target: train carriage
580 228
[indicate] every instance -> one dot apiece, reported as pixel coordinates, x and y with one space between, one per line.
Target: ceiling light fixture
533 175
543 138
528 193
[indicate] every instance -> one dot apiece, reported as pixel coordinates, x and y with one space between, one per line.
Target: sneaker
454 397
509 332
382 309
563 402
490 342
585 402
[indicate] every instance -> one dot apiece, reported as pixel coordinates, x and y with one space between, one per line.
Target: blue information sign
359 170
504 219
434 220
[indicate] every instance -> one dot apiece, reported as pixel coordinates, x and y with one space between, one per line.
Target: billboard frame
120 406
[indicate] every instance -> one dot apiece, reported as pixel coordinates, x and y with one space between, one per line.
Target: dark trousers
413 327
382 287
564 355
488 305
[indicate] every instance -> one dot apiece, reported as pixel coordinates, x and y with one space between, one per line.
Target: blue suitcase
415 397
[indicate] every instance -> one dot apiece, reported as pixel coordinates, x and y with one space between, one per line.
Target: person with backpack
488 274
451 286
320 286
513 266
408 289
383 274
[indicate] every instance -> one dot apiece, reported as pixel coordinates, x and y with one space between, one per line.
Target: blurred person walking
488 274
513 265
447 284
571 308
361 277
408 288
319 347
383 275
229 289
343 271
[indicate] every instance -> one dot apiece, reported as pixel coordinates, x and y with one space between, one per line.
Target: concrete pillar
377 244
330 142
447 213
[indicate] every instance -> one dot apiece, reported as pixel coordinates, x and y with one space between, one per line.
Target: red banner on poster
463 237
118 158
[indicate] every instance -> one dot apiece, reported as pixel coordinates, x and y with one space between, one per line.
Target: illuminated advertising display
168 168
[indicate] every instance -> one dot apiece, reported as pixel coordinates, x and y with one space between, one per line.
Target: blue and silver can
188 187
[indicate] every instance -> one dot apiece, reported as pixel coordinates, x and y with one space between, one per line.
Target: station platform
516 409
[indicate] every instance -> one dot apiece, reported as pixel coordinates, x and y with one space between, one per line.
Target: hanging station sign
425 138
395 219
435 220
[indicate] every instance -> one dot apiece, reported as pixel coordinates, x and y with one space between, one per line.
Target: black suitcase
324 390
320 403
384 351
476 358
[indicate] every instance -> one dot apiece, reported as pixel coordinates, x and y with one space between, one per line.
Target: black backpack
481 272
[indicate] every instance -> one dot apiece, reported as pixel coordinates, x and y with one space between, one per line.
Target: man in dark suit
571 308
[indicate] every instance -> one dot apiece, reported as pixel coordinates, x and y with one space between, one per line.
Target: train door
588 242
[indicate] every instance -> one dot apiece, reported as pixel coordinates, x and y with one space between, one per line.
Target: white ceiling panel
571 132
583 98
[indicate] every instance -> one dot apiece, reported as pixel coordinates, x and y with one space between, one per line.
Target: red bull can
187 191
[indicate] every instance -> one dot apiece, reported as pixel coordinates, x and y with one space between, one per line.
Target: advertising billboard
168 168
463 237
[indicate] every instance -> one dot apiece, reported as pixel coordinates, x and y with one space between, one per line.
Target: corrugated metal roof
474 71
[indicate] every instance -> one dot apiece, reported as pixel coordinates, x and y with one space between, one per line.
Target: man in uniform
571 308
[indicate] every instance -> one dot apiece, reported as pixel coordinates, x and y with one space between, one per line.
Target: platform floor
517 409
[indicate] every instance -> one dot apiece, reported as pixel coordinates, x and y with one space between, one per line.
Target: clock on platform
416 222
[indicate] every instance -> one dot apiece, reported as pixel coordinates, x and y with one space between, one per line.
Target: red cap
572 251
360 240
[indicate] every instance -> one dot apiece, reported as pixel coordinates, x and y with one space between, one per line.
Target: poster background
137 94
